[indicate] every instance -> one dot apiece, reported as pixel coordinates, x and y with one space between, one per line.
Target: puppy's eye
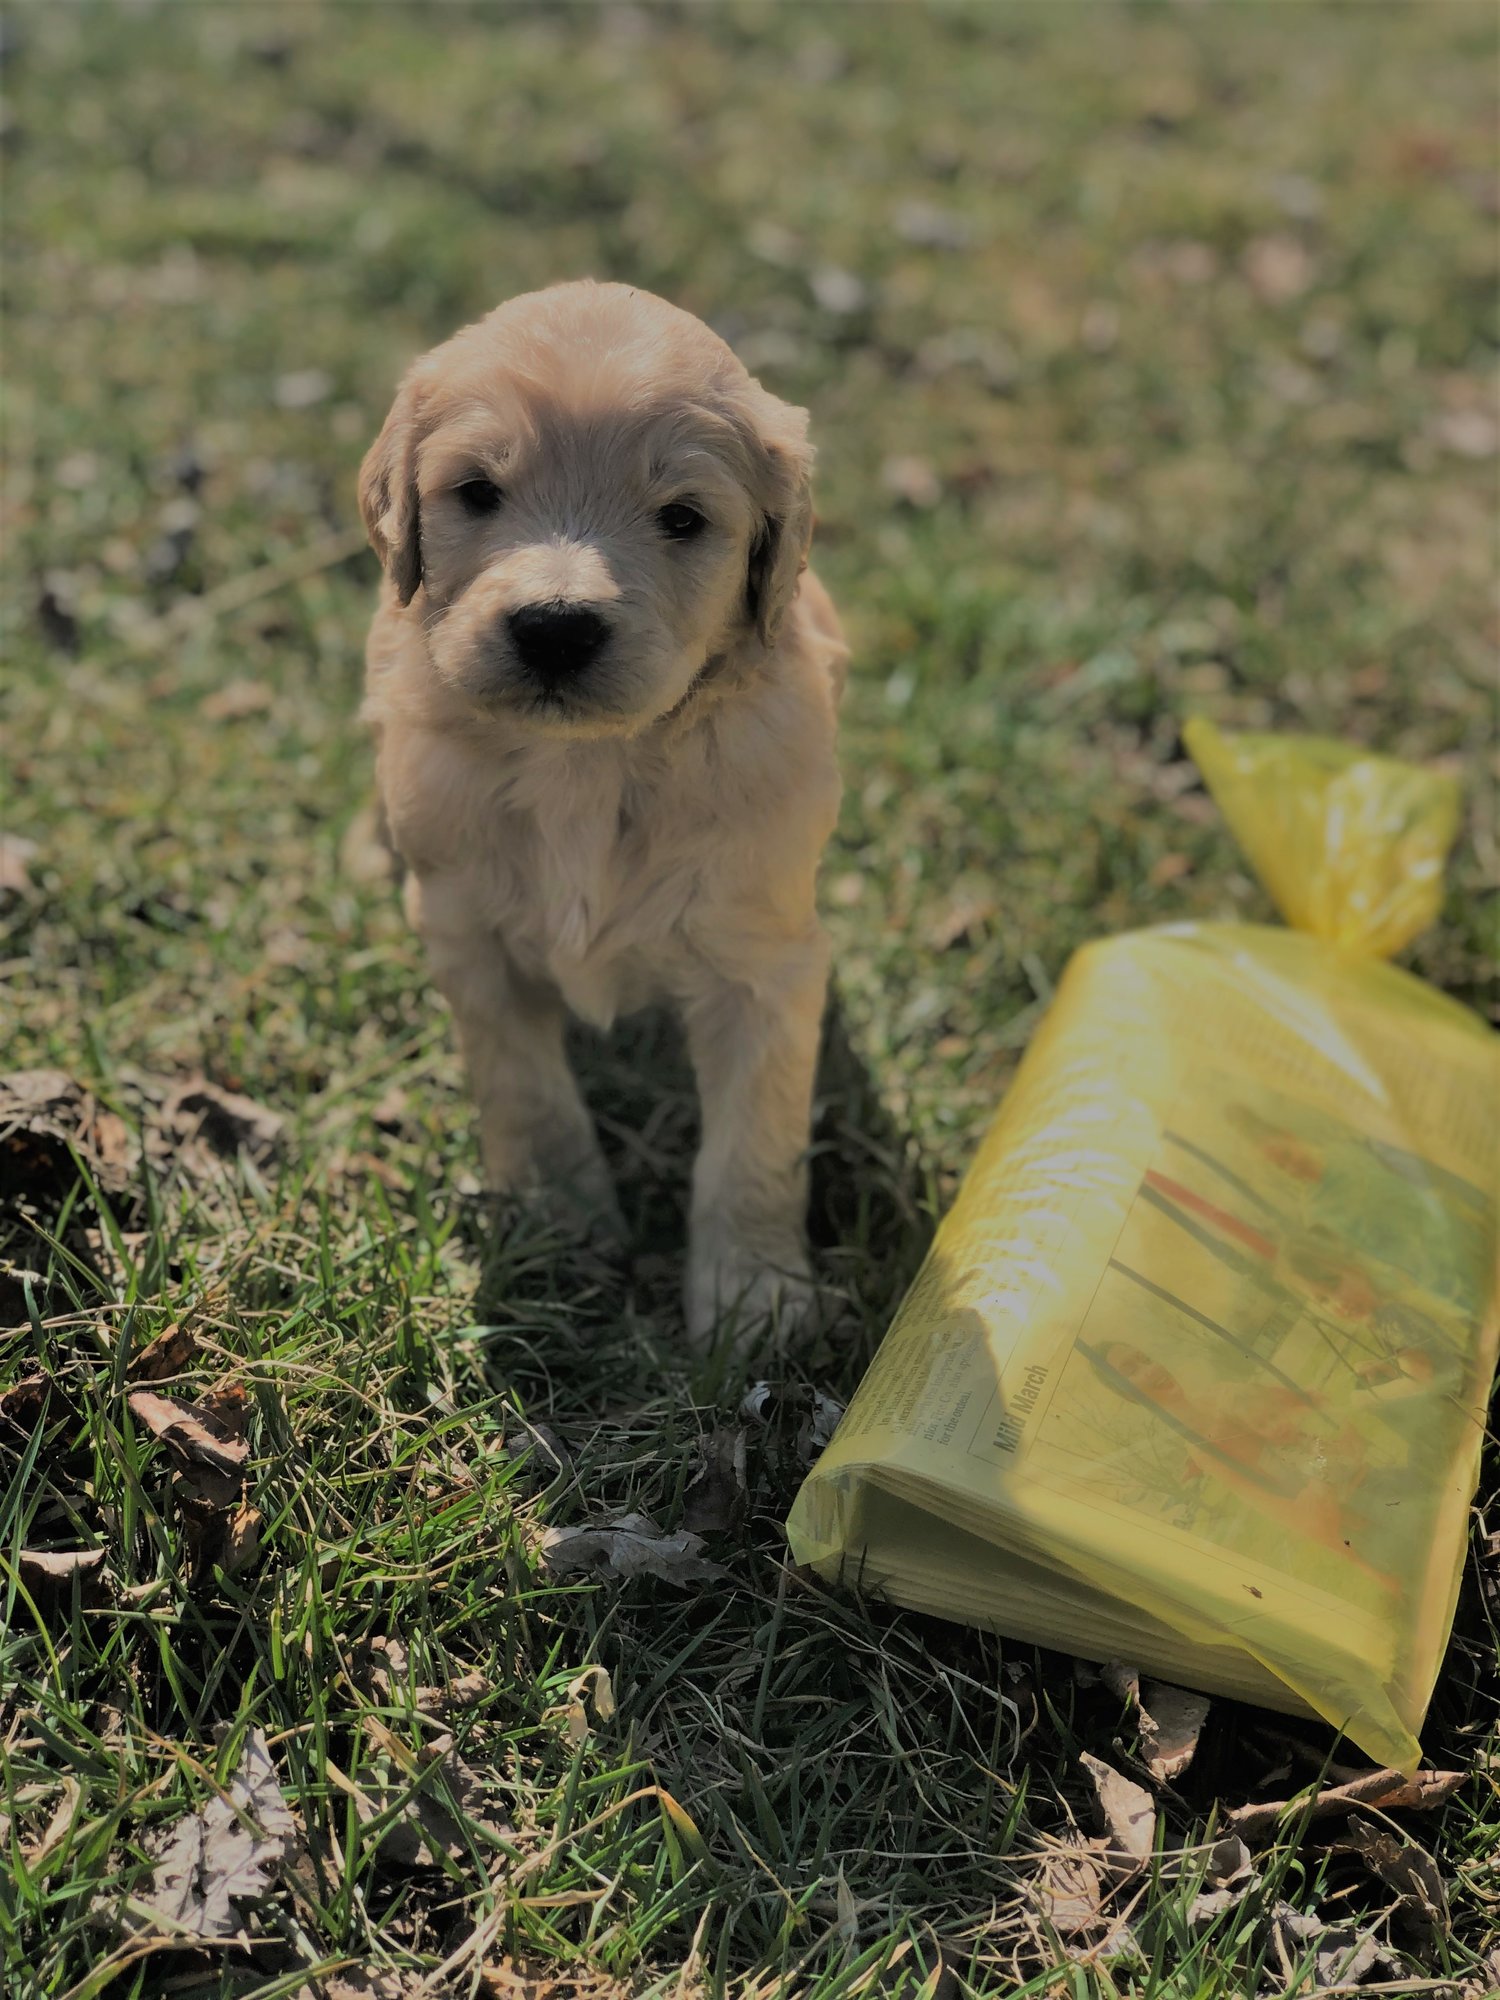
479 496
679 522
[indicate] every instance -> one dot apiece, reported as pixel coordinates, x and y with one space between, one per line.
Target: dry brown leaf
208 1124
1229 1860
1403 1866
715 1498
1127 1811
1228 1879
48 1569
390 1675
58 1826
169 1354
34 1401
524 1979
1072 1888
912 480
228 1404
931 227
1467 433
631 1546
241 1540
592 1688
1279 268
1387 1790
362 1982
1171 1720
425 1827
15 864
365 852
45 1120
1341 1957
819 1415
236 699
222 1856
966 916
193 1434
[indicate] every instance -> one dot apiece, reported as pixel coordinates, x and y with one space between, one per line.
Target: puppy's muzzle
556 642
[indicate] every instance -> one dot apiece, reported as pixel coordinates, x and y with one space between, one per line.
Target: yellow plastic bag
1195 1373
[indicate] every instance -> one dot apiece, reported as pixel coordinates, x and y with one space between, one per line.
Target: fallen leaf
210 1124
1211 1904
818 1415
846 1909
1229 1860
1387 1790
390 1675
715 1497
1342 1957
47 1568
1467 433
912 480
543 1979
595 1684
241 1548
361 1982
539 1438
631 1546
236 699
58 1827
302 388
815 1432
931 227
194 1435
228 1405
592 1687
1168 868
223 1855
838 291
15 864
46 1119
1279 268
33 1402
169 1354
965 348
1072 1887
1127 1811
1170 1722
420 1785
1228 1878
965 918
1403 1866
365 852
1123 1682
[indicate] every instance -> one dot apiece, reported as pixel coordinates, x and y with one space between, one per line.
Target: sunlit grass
1202 392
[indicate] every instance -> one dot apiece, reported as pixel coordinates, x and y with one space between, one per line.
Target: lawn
1150 355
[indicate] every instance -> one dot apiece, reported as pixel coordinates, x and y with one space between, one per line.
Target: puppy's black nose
556 641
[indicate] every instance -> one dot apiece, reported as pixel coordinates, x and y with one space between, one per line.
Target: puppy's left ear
782 483
388 491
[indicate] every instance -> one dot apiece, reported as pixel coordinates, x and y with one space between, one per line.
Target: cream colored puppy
604 687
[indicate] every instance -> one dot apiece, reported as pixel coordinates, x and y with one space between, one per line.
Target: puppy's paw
578 1199
736 1290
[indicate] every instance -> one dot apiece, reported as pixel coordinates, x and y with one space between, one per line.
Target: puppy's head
594 501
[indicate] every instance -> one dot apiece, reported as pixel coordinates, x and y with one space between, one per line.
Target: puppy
603 684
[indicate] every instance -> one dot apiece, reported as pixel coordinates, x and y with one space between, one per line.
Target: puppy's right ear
388 492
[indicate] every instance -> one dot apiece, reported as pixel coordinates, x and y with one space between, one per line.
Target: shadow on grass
867 1220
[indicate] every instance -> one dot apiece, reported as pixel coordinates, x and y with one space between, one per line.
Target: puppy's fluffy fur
603 685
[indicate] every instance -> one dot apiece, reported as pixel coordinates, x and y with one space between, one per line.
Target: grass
1201 395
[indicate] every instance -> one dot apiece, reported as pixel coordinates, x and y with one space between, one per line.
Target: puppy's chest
593 896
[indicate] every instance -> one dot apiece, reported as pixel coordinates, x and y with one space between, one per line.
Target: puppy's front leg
755 1049
535 1132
